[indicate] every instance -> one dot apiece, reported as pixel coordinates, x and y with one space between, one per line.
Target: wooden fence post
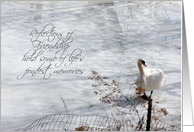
149 114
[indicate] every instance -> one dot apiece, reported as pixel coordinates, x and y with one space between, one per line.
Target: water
108 38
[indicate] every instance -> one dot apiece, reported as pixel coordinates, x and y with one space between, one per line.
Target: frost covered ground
106 37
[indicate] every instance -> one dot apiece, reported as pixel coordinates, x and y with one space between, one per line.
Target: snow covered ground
106 37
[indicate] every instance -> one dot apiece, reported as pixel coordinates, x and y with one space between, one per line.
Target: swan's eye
143 62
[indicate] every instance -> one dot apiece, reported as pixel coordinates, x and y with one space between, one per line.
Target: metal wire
72 122
162 126
157 125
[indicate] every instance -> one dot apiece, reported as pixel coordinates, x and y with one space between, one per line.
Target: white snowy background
112 37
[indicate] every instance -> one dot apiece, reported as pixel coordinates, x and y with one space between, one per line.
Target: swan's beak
144 64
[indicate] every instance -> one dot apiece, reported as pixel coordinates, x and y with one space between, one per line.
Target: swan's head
140 62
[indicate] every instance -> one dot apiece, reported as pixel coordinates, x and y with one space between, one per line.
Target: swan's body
149 79
153 79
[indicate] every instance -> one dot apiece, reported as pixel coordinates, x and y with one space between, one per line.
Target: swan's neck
142 73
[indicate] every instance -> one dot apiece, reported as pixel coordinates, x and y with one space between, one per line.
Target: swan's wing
154 80
148 70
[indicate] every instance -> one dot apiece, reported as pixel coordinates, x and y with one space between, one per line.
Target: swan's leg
145 97
151 94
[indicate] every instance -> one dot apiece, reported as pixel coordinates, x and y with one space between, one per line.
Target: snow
112 37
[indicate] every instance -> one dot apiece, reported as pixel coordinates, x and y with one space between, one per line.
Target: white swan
149 79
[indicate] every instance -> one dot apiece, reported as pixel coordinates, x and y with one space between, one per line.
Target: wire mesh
162 126
72 122
156 125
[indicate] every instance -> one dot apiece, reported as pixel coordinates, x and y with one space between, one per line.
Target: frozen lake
106 37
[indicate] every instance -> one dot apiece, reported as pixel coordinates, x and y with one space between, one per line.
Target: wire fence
162 126
72 122
157 125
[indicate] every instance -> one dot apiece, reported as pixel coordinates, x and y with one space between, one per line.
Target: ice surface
112 37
